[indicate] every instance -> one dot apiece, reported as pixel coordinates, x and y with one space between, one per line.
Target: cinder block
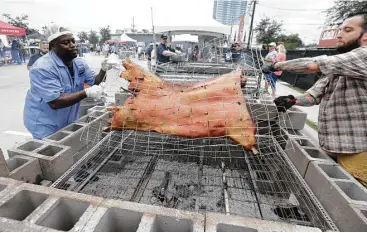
24 168
338 192
71 136
294 119
114 215
358 218
27 146
262 111
229 223
96 108
301 156
46 183
9 225
54 159
7 185
4 171
48 207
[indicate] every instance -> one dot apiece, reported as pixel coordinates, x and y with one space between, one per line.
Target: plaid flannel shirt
342 95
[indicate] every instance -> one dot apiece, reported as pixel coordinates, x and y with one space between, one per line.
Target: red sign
10 30
328 38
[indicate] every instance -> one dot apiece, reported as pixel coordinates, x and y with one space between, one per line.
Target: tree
341 9
93 38
291 41
268 30
20 21
83 36
105 34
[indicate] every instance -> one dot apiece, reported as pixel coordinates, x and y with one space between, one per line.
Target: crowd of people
14 54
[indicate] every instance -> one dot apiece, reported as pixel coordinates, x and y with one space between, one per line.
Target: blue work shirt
49 78
160 49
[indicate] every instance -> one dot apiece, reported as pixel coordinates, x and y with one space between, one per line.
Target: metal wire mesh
211 174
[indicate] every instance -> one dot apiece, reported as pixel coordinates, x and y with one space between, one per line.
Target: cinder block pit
58 136
14 163
30 146
73 127
97 113
22 205
294 132
314 153
86 119
64 215
352 190
231 228
50 150
304 142
119 220
333 171
170 224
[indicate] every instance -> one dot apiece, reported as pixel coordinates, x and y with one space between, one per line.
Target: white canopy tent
208 27
186 38
126 38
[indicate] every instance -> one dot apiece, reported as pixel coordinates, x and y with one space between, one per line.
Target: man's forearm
99 78
67 99
305 100
299 66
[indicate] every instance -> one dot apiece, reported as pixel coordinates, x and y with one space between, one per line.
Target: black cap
164 35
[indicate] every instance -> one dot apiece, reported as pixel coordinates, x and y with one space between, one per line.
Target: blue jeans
2 53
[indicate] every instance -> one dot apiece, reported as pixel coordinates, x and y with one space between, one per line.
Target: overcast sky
299 16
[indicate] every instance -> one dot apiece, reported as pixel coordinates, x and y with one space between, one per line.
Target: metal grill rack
204 175
201 175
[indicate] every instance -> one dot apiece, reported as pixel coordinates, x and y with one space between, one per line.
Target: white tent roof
126 38
209 27
185 37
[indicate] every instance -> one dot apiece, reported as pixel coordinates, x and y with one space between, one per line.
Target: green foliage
20 21
341 9
105 34
93 37
291 42
268 30
83 36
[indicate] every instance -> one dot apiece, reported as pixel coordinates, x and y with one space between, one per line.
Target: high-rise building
228 12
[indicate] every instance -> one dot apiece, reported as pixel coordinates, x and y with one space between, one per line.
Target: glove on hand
284 103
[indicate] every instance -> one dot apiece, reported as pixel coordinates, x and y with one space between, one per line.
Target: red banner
10 30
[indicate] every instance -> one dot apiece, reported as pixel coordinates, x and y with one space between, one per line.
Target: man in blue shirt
56 80
43 50
163 51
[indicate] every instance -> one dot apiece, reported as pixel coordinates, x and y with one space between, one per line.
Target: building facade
228 12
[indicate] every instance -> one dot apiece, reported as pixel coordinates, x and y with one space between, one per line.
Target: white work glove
96 91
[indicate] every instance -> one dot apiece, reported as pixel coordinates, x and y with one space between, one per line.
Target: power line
288 9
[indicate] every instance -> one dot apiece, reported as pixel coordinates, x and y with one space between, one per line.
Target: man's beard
349 47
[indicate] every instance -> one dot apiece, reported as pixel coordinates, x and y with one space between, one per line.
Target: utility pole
254 2
133 25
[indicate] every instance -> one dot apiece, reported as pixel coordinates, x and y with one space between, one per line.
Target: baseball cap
54 31
164 35
273 44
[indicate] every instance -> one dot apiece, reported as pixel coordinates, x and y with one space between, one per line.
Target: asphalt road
14 83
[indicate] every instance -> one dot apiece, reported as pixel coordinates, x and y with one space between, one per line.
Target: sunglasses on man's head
164 38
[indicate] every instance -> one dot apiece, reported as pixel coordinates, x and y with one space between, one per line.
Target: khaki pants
356 165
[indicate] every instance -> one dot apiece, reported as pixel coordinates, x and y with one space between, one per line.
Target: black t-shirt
160 49
33 59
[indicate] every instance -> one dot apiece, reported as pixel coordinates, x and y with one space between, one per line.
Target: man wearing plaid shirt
341 93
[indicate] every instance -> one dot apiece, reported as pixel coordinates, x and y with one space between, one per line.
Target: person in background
57 85
98 49
341 94
22 51
280 57
195 53
15 52
163 51
42 51
2 52
270 79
